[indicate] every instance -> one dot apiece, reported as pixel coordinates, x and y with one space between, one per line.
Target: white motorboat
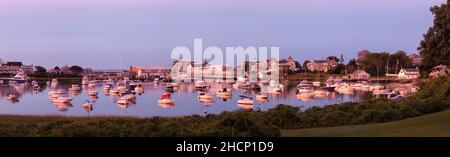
75 87
166 101
245 101
261 96
304 84
204 95
19 78
224 92
122 101
106 87
56 93
316 83
93 93
200 84
129 97
54 83
156 80
345 89
114 91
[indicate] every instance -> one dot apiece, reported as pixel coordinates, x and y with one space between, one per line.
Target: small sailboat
224 93
12 97
245 100
165 99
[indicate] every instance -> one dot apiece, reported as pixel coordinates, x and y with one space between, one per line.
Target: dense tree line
379 63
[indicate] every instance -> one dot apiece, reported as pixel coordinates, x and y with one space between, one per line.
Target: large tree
76 69
435 47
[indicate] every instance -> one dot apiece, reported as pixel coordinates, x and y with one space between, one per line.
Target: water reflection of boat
246 106
206 101
200 84
63 107
166 104
88 105
204 95
308 95
166 101
304 84
85 81
320 93
93 93
305 99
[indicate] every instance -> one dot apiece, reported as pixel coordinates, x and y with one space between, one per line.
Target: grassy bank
436 124
235 124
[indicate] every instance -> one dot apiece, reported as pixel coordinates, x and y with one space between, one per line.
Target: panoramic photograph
213 68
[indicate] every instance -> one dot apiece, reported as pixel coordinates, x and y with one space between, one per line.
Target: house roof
411 70
359 72
319 61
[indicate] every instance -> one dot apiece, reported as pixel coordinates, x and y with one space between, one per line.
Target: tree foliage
435 47
76 69
379 63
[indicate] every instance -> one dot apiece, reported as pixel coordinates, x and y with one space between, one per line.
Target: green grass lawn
437 124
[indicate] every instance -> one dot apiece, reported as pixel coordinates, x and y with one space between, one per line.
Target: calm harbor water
30 102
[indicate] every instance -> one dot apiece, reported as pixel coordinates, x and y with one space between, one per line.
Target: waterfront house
440 70
15 67
291 62
359 75
149 71
409 73
321 65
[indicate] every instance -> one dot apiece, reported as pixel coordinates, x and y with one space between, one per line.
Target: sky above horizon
109 34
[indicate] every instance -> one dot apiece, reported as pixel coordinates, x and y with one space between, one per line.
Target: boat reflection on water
200 98
62 107
166 105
